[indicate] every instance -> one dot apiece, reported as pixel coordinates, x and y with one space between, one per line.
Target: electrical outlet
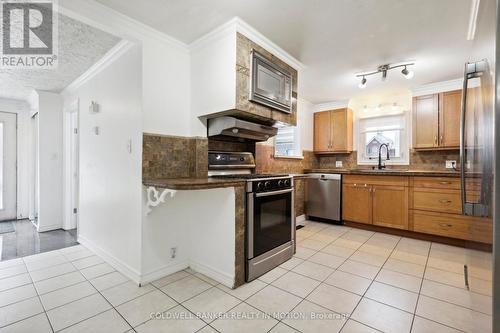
173 252
338 164
450 164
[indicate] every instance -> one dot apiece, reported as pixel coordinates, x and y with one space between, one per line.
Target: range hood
230 127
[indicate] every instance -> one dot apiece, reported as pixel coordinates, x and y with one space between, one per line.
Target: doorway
8 166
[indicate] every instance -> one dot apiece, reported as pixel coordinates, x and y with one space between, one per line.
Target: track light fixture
362 84
408 74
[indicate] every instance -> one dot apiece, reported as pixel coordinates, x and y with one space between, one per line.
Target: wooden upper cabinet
322 132
333 131
425 121
436 121
449 118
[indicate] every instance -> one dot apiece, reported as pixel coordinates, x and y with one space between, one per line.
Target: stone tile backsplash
419 160
187 157
166 156
267 163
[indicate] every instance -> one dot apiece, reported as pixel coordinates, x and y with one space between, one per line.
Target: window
287 142
389 130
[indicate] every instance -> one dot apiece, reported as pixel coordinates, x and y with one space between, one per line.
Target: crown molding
111 21
437 87
330 105
111 56
236 24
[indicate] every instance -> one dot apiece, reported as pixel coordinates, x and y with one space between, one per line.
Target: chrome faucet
380 166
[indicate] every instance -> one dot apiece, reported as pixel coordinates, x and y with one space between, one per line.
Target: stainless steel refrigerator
479 147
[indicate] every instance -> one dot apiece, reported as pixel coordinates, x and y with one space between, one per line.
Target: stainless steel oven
270 224
270 215
271 85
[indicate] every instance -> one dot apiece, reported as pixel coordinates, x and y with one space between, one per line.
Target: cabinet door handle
355 185
445 201
435 139
445 225
445 183
441 139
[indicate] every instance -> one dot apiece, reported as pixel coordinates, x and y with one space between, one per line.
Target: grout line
328 284
41 303
371 283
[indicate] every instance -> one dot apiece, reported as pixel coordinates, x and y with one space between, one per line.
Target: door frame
71 164
16 149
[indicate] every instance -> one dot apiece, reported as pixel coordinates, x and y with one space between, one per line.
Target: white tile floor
341 280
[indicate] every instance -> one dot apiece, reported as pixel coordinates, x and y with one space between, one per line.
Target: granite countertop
193 183
388 172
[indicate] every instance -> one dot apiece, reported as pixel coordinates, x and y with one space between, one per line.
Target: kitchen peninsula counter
193 183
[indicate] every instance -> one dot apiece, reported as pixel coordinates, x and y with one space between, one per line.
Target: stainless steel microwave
271 85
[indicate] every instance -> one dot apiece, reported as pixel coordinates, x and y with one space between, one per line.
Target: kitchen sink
381 171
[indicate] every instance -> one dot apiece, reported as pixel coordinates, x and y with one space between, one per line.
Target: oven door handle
266 194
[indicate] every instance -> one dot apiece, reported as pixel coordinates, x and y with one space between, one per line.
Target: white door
8 166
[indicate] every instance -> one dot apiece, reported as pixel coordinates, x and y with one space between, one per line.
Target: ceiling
334 38
80 46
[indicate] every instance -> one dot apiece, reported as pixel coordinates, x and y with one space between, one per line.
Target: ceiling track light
362 84
408 74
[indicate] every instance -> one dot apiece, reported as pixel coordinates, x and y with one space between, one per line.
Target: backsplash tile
174 157
419 160
267 163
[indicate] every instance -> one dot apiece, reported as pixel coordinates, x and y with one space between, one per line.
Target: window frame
295 141
404 147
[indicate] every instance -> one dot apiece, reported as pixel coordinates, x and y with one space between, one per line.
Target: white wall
212 58
110 175
305 123
166 92
204 237
50 164
22 109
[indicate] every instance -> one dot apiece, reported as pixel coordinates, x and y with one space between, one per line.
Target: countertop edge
423 173
192 183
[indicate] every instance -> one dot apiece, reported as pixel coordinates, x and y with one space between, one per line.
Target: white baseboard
48 227
136 277
215 274
164 271
117 264
299 220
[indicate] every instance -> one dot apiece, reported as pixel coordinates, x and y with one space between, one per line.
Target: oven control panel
265 185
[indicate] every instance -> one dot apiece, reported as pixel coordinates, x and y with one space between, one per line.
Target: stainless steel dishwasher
323 196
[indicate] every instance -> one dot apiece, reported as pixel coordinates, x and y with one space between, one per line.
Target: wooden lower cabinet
454 226
357 203
379 200
390 206
430 205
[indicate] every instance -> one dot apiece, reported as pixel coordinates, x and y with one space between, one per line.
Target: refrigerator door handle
462 135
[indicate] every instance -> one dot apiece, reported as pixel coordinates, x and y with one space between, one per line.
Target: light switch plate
450 164
338 164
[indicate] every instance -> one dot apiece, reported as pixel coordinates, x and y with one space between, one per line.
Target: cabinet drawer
441 225
448 201
375 180
437 182
454 226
